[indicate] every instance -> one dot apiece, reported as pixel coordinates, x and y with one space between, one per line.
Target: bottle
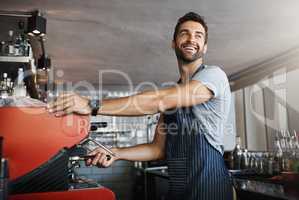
18 46
244 159
237 153
1 83
22 39
10 44
295 164
4 88
231 160
4 81
8 86
266 159
270 165
20 76
260 168
25 46
2 53
277 161
20 89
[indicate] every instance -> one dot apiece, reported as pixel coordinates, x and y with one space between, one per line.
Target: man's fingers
96 159
95 151
65 111
58 103
88 162
66 94
63 105
78 104
99 163
60 100
102 159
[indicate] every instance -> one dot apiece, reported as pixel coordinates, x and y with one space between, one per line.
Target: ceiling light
36 32
37 24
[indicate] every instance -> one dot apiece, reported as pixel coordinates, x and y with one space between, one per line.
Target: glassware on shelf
2 49
244 159
20 88
278 153
18 48
237 153
260 163
10 44
252 160
265 162
16 45
270 164
294 165
5 85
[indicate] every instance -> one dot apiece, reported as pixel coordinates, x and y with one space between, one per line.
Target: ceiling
134 36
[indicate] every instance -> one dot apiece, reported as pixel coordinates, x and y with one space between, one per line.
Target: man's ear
173 44
205 48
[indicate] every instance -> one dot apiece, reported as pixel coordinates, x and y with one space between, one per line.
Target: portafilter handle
98 144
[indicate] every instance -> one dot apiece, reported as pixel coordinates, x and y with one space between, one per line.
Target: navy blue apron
196 169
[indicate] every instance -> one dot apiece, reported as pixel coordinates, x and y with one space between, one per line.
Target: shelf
20 59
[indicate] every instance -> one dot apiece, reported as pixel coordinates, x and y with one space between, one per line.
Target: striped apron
196 169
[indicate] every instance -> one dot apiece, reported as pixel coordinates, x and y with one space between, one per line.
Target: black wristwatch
94 104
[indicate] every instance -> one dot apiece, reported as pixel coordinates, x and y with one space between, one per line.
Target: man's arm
143 152
150 102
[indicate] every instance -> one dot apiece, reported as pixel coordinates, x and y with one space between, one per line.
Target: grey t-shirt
211 116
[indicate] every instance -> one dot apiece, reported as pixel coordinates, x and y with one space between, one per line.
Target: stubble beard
186 60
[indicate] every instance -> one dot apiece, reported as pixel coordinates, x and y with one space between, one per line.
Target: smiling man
189 134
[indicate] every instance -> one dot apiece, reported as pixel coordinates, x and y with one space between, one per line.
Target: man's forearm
151 102
142 152
136 105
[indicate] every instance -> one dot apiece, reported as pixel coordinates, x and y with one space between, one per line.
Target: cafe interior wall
267 107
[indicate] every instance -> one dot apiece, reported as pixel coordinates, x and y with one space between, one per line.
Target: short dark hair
191 16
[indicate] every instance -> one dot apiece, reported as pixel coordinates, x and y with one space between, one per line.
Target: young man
189 133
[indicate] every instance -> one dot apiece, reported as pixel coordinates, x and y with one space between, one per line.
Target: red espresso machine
42 151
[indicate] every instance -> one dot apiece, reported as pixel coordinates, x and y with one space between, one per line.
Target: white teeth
189 48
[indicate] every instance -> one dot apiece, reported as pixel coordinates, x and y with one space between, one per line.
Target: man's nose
191 38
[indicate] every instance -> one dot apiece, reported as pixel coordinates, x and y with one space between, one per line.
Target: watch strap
95 106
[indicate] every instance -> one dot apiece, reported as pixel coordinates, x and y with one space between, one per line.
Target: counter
248 187
265 187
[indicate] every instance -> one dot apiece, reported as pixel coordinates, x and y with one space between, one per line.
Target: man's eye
183 33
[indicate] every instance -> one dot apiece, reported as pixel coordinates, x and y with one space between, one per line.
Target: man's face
189 44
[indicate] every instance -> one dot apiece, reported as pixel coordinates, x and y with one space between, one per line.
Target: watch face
94 103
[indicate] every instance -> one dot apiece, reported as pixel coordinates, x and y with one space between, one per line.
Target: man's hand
68 103
100 158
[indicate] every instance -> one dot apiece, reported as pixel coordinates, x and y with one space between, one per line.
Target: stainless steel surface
84 158
99 145
15 13
20 59
274 190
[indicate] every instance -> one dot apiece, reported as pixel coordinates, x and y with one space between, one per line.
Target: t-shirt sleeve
214 78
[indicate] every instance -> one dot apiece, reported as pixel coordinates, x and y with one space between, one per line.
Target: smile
189 48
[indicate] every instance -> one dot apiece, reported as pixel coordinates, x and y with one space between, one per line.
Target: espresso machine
43 152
